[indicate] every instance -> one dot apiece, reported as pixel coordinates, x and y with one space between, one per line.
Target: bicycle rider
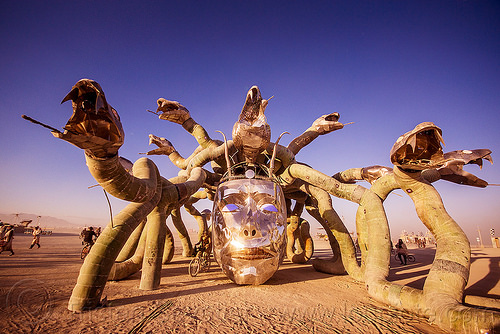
88 236
401 251
204 245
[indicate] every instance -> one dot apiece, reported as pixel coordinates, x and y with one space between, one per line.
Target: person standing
402 251
7 239
37 232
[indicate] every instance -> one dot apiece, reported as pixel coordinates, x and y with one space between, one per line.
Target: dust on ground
35 286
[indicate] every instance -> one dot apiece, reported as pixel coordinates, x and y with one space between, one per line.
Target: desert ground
35 286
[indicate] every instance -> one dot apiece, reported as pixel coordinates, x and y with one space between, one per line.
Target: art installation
253 183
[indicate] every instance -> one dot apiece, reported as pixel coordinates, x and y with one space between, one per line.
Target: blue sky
384 65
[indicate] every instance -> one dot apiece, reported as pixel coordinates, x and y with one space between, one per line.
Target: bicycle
409 257
85 250
200 263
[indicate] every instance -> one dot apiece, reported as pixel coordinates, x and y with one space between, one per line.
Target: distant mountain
43 221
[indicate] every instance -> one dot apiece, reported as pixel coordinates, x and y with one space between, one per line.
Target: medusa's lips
256 253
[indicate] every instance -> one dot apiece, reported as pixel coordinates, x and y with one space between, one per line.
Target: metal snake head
251 133
254 106
327 123
94 125
419 148
172 111
165 147
453 168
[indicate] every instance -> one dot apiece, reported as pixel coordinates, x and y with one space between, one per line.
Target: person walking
37 232
402 251
7 240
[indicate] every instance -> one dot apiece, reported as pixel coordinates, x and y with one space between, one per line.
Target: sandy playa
35 286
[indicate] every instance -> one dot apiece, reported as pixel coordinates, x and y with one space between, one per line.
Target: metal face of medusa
249 229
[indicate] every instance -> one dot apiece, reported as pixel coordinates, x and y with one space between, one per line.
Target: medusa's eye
268 208
230 208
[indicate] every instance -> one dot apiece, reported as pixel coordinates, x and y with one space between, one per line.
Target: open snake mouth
92 115
419 149
255 253
333 117
252 107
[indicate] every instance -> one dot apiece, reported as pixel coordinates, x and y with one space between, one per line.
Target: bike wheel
206 262
411 258
194 267
85 251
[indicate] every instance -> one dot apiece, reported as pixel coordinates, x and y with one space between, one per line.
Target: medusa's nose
249 228
250 231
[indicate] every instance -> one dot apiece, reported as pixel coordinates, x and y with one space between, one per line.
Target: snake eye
268 208
230 208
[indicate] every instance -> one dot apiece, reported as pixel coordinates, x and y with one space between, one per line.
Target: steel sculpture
252 183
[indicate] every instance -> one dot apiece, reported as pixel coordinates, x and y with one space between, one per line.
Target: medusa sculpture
253 182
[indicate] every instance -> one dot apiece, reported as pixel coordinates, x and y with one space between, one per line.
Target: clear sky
385 65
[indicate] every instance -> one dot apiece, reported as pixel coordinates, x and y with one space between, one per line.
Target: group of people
7 237
420 242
